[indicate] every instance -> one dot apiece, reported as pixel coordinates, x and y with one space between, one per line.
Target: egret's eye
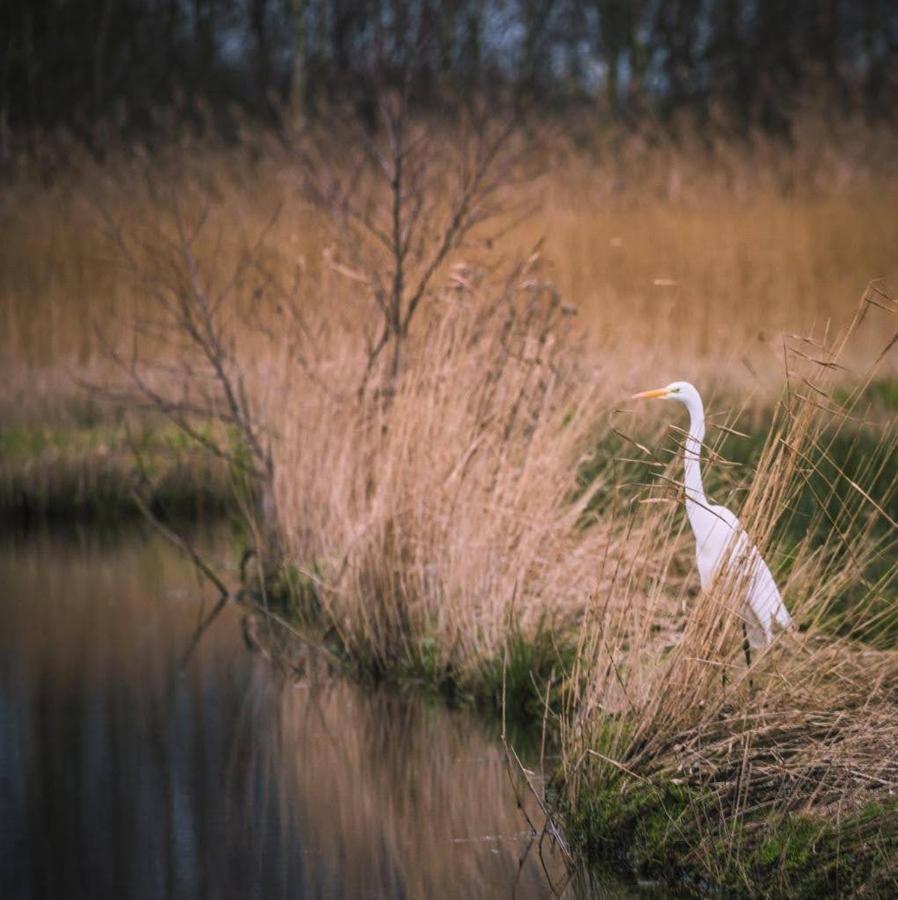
675 390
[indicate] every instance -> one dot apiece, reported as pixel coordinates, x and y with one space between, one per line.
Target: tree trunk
99 56
297 88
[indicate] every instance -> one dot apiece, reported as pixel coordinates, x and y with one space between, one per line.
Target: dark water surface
120 778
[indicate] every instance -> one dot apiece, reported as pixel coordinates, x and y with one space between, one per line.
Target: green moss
528 666
675 833
814 857
639 825
788 845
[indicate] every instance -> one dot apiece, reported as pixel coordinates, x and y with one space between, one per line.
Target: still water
122 775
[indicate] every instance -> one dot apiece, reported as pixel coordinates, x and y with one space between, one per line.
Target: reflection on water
120 778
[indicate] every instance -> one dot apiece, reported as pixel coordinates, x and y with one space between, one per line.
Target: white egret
722 546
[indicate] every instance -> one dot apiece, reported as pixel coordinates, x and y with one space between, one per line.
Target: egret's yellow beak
650 395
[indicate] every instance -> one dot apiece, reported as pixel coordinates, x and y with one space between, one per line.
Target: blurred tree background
85 66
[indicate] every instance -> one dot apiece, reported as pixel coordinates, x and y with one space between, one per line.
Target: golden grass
679 251
726 275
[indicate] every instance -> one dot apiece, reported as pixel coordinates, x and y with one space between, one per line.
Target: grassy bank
87 473
681 761
667 831
466 533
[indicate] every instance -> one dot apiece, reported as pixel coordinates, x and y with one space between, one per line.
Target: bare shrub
402 203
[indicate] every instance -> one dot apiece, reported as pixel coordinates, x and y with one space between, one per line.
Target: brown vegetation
785 770
671 248
469 507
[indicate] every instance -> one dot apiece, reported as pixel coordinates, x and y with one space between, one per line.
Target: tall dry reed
673 744
440 519
684 250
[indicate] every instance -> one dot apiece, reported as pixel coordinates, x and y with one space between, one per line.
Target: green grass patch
678 834
524 679
88 473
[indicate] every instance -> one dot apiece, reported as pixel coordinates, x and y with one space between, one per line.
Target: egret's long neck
695 491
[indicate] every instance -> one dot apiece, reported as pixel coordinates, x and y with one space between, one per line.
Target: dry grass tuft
809 730
440 518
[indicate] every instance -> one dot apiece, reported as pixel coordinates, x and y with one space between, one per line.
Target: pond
124 774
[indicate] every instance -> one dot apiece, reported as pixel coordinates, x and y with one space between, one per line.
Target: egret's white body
723 549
